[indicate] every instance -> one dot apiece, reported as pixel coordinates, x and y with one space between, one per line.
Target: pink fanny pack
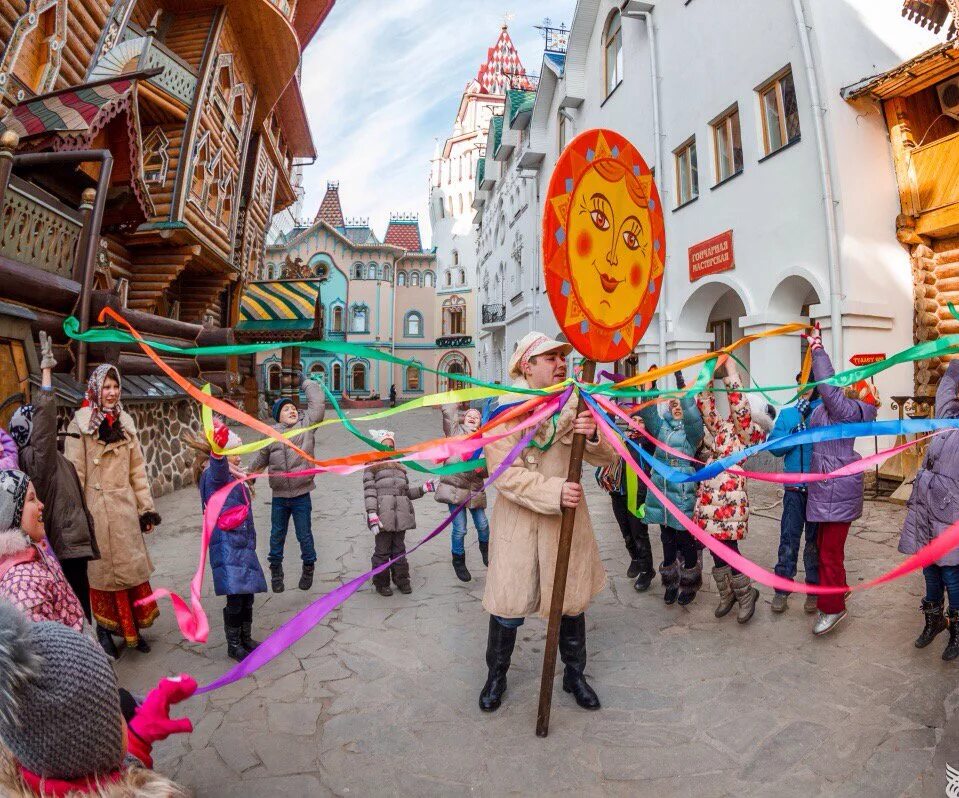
232 518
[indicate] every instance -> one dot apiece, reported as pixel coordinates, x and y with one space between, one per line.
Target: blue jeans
790 536
300 507
941 579
459 528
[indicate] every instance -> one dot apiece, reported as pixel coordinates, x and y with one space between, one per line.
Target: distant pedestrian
834 504
291 495
103 446
393 395
933 507
388 496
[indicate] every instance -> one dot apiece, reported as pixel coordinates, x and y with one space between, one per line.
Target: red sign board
711 256
867 359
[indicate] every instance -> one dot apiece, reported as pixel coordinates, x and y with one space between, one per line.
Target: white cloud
382 81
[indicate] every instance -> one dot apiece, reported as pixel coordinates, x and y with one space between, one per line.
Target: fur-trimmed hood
84 414
13 542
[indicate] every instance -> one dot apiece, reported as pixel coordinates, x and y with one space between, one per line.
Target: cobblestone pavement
380 699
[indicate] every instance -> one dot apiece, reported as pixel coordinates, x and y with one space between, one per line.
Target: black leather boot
459 566
106 642
306 578
935 622
952 647
572 650
670 576
484 552
276 577
635 566
646 572
233 632
499 649
246 628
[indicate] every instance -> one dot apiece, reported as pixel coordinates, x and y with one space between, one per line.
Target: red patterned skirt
118 611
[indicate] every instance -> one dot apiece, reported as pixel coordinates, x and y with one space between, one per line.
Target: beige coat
525 525
115 485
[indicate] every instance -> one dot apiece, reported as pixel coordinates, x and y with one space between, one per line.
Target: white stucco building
778 195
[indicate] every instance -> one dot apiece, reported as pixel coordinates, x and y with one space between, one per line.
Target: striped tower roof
502 69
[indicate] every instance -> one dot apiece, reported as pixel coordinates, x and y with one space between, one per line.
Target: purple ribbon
301 623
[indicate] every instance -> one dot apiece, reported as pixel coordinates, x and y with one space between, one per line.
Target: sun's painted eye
631 240
599 219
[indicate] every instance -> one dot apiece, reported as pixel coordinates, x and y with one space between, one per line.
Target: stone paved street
380 699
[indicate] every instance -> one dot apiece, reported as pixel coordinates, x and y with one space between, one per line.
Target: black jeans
631 527
75 570
718 561
678 541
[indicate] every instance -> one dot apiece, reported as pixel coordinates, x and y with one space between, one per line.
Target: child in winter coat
722 505
30 576
679 426
454 489
64 729
236 568
389 514
291 495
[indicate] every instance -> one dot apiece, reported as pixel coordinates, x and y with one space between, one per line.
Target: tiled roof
330 210
480 172
497 124
404 233
558 60
520 102
360 234
502 68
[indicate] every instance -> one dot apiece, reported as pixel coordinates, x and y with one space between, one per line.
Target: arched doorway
453 363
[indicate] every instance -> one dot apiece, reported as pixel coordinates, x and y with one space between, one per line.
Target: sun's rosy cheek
584 244
635 275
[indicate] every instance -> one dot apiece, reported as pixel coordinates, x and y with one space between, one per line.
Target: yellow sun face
610 250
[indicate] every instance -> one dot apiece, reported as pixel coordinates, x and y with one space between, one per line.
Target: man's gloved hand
47 360
152 721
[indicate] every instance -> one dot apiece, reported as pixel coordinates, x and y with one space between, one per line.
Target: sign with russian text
711 256
867 359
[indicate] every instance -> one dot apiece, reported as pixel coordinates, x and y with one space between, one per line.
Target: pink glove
221 435
814 339
430 485
152 721
372 520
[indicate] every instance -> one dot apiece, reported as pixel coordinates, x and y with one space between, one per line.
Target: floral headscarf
13 497
94 389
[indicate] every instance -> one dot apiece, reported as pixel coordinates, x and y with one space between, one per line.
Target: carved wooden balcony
935 171
38 230
178 78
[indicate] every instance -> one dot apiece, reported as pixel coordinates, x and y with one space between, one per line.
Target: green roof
480 172
497 123
519 102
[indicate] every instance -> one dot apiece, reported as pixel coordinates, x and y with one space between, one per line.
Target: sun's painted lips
610 284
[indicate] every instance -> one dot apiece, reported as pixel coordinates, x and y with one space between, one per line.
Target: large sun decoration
604 244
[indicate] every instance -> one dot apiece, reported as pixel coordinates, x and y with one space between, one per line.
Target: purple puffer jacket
934 503
838 499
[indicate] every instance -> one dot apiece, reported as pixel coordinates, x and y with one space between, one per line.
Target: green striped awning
279 305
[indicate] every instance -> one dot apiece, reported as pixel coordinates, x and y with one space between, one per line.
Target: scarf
92 400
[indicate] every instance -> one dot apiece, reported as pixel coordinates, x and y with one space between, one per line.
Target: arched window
357 271
318 371
371 272
387 272
273 378
401 278
413 324
461 203
456 258
360 319
429 279
414 279
337 320
449 278
454 316
613 50
358 378
412 378
337 386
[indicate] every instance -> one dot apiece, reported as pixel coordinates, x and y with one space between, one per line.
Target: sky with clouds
382 81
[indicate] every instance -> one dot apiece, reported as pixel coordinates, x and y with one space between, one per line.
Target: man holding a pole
530 497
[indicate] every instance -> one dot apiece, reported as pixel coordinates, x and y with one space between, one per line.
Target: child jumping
389 514
291 495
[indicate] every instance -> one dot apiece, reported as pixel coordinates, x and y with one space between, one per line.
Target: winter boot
276 576
690 580
460 569
952 647
646 573
106 642
404 586
484 552
233 631
635 565
811 604
572 650
246 628
306 578
780 602
384 590
935 623
670 577
721 576
142 645
499 649
746 595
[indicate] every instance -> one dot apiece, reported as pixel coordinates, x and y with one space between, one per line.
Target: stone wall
161 427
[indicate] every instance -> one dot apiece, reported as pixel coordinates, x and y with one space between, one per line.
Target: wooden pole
562 568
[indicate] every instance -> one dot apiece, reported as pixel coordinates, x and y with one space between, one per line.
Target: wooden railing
178 78
936 170
37 229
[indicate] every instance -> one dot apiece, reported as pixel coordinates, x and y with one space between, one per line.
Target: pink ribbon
927 555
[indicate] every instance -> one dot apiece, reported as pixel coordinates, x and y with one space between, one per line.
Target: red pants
832 570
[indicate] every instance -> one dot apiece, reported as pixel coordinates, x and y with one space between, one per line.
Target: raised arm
839 407
315 402
450 419
692 421
44 438
73 450
706 402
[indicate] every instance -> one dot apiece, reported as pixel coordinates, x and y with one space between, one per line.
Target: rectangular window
561 130
687 172
613 53
728 142
722 334
780 112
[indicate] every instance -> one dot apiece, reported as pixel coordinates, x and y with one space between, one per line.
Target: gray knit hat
13 496
59 708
